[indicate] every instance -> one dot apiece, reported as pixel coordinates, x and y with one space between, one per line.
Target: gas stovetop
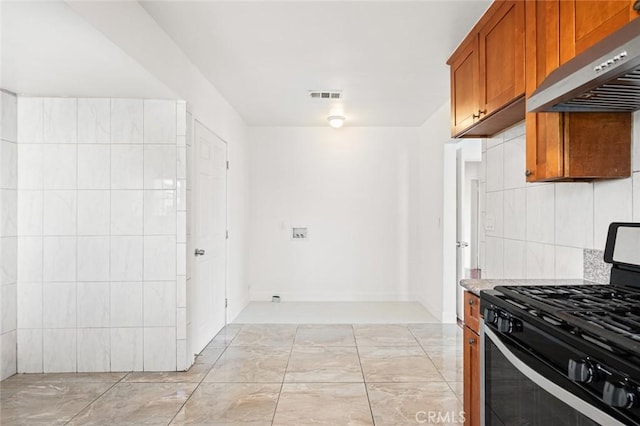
606 315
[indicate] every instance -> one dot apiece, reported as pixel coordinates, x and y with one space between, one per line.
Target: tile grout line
204 376
275 410
364 380
97 397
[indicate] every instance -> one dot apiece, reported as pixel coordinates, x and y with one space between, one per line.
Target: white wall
433 280
352 188
541 230
8 233
101 235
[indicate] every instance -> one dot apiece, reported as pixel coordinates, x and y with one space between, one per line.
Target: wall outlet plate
299 232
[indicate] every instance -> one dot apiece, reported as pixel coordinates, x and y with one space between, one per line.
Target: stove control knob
490 316
617 395
505 325
580 371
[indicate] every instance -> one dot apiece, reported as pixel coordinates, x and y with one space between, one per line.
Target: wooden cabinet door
585 22
471 372
544 134
501 48
464 88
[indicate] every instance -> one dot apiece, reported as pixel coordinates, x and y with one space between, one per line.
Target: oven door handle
568 398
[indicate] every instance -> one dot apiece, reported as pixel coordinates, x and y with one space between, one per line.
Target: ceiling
388 57
49 50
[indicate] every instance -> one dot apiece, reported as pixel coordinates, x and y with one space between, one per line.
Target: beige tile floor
265 375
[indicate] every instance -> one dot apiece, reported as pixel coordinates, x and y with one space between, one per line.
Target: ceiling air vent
326 94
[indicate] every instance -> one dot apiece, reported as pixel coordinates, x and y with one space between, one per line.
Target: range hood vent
603 78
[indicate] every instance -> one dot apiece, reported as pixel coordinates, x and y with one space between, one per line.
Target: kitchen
535 231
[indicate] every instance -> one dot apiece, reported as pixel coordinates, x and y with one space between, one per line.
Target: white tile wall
8 234
95 278
93 307
544 227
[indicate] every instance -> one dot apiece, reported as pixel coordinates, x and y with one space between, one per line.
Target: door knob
199 252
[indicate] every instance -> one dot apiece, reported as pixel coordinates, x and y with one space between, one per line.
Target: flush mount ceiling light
336 121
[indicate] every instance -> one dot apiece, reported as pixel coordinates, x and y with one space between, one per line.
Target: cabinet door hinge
226 303
227 165
227 234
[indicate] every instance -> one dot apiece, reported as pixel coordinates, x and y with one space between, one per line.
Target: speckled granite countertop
476 286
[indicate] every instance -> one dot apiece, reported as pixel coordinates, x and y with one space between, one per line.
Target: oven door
520 389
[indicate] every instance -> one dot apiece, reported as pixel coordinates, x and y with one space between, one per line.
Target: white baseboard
265 296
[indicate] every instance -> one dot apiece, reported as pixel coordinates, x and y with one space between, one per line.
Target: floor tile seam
455 393
364 382
428 356
198 383
113 385
275 409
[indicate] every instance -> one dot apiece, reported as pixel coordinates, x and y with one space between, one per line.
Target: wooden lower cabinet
471 359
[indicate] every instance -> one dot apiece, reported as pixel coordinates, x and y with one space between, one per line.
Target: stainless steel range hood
605 77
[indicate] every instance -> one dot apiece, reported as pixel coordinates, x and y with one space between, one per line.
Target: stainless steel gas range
566 355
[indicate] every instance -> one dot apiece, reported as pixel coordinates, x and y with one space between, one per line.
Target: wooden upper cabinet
571 146
487 73
502 57
586 22
464 87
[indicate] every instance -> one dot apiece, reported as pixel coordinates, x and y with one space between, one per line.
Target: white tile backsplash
514 163
611 204
8 308
94 166
541 208
494 219
574 215
495 168
94 120
546 226
515 214
8 354
8 212
60 120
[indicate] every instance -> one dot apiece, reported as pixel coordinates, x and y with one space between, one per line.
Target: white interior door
208 295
